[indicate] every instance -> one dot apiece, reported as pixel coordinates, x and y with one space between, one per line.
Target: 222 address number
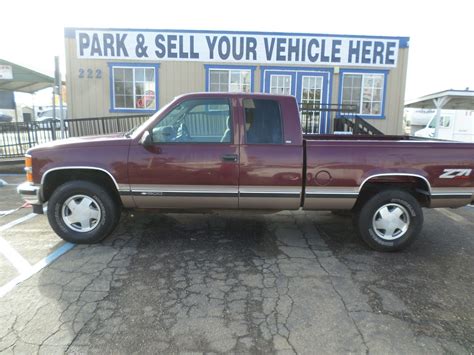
90 73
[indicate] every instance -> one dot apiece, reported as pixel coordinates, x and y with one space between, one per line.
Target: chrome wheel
81 213
391 221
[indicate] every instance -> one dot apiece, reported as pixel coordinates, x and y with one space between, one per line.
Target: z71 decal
455 173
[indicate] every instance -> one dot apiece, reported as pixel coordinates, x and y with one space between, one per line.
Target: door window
263 124
311 89
230 80
280 84
444 121
196 121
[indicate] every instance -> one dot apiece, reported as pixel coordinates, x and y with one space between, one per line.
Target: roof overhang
450 99
24 80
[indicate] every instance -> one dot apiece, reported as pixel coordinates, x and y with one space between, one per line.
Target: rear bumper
30 193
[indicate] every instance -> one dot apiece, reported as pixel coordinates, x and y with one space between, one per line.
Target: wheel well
56 178
416 186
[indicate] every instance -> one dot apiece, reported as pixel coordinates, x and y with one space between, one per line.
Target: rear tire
82 212
390 220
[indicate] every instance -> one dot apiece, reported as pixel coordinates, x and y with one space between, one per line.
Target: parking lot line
454 216
35 268
17 221
19 262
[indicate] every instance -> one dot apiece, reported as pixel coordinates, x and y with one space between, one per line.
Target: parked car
5 118
46 117
213 151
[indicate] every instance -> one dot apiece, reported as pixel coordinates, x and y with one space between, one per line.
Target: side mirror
147 139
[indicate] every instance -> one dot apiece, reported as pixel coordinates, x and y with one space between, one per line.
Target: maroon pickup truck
209 151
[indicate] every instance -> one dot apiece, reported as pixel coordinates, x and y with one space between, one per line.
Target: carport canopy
447 100
21 79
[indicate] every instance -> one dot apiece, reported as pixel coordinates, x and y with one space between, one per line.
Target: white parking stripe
454 216
19 262
17 221
35 268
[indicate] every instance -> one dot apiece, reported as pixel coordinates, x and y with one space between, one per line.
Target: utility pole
58 90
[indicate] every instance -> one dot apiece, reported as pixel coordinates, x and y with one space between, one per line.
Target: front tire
390 220
82 212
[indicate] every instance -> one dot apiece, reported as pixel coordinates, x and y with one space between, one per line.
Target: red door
193 161
271 155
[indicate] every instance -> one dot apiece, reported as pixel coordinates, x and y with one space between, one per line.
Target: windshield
432 123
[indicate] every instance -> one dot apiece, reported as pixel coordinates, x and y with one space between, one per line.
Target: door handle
230 157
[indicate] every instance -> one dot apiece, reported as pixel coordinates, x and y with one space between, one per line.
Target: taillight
28 168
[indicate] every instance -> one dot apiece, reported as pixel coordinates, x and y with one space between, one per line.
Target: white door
464 126
446 126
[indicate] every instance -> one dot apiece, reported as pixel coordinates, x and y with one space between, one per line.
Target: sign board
6 72
237 47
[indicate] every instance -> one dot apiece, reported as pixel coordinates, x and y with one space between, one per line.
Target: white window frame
277 86
230 71
364 76
316 79
133 68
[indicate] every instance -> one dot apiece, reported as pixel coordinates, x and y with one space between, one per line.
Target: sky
441 33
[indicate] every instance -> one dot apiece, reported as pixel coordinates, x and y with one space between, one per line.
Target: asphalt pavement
292 282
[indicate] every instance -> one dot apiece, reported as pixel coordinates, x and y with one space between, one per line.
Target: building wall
91 97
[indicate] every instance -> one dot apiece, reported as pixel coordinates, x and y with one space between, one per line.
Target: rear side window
263 124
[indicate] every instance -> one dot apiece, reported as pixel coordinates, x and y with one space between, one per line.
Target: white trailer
456 125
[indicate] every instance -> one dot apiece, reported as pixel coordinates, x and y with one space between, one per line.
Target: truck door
446 127
271 154
464 126
193 161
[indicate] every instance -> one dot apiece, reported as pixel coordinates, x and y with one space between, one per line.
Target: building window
229 79
280 84
134 88
365 91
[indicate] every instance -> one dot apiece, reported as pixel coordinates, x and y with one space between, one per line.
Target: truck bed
338 166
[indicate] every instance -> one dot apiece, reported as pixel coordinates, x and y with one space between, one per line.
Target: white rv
456 125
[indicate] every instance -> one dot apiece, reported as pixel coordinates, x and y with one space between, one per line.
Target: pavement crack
333 286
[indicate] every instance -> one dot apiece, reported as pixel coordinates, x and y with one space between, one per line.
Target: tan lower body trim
330 198
451 197
270 197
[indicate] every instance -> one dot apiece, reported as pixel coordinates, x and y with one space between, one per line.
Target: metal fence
314 115
344 119
17 138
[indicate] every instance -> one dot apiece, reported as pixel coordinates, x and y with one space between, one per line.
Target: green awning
14 77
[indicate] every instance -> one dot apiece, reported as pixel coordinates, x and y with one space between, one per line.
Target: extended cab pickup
209 151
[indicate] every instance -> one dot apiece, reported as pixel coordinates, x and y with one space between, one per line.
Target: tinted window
263 123
196 121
